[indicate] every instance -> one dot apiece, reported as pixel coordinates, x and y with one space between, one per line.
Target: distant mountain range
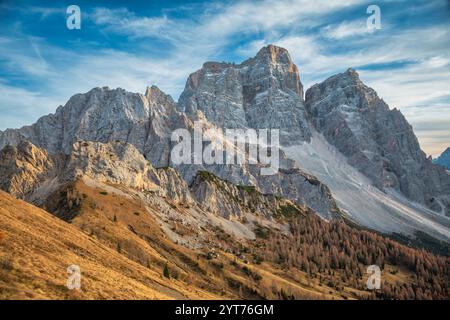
444 159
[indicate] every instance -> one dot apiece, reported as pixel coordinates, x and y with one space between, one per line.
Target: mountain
106 115
376 140
262 92
343 152
341 133
444 159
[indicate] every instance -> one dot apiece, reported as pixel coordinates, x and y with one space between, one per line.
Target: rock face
303 189
236 202
24 167
376 140
122 164
104 115
28 172
262 92
444 159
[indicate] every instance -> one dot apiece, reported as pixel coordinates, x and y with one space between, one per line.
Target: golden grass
37 248
122 251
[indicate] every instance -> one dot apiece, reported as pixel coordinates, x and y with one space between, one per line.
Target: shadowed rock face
262 92
28 172
234 202
444 159
376 140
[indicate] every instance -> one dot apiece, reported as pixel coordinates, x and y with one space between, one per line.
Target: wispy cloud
347 29
123 21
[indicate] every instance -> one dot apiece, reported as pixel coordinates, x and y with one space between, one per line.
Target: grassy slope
36 248
122 252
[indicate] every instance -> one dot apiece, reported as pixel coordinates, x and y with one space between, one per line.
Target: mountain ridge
263 92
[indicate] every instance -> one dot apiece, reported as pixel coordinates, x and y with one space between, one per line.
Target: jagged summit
274 54
262 92
351 71
340 81
376 140
157 98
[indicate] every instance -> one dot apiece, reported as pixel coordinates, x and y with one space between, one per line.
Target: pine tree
166 272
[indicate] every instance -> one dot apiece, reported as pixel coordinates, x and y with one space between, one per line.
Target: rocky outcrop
236 202
122 164
24 167
262 92
376 140
303 189
28 172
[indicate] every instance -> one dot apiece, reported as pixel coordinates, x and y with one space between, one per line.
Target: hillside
36 248
115 261
120 243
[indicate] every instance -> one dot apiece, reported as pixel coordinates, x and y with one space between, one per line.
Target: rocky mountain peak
276 62
262 92
341 81
446 152
352 73
376 140
343 90
153 93
274 54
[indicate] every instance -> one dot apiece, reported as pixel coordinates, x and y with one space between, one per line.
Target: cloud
122 21
346 29
45 12
18 104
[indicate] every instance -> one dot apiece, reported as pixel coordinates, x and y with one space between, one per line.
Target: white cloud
17 105
122 21
346 29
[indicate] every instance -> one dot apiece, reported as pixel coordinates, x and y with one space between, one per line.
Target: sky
134 44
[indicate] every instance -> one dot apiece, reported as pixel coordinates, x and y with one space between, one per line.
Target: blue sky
133 44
